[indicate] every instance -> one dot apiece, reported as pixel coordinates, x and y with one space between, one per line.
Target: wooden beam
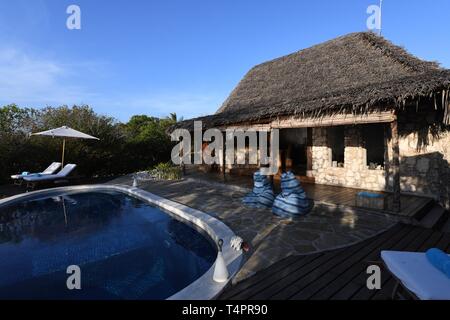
245 127
336 120
281 164
224 161
305 122
395 167
289 162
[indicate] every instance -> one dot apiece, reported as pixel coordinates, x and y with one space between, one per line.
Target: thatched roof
356 73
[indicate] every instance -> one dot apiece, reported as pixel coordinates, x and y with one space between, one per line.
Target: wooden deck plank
431 242
420 240
414 246
337 195
296 284
347 196
389 285
388 282
286 276
361 276
340 274
392 231
261 276
275 277
330 195
350 281
327 279
444 242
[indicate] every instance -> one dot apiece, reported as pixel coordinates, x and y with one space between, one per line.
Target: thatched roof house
355 111
355 73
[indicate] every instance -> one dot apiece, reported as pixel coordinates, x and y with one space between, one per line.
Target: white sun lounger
417 274
50 170
32 180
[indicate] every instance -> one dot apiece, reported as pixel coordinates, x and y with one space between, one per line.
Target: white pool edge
204 288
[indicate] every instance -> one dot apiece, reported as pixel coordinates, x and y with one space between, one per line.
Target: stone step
434 218
424 209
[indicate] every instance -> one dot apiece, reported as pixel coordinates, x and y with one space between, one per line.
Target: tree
123 147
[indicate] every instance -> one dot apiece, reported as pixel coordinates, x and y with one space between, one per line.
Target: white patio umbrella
64 132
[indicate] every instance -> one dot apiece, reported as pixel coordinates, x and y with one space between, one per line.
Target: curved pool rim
204 288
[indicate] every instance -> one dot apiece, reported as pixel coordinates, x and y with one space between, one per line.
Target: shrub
123 147
166 171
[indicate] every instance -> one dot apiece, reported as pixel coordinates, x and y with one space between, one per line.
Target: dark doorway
336 142
373 136
293 148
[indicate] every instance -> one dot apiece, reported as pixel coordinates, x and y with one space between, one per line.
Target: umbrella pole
64 147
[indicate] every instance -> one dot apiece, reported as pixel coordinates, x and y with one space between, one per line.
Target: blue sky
156 57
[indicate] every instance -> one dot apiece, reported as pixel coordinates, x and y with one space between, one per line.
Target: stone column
387 156
354 154
309 156
321 154
224 159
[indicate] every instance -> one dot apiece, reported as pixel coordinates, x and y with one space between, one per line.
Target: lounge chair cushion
21 176
417 274
66 170
48 177
440 260
50 170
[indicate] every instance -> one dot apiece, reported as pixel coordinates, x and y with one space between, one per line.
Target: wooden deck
336 275
412 207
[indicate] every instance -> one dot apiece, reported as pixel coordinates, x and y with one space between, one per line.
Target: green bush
166 171
123 147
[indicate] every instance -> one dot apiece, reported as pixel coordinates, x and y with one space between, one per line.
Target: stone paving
271 238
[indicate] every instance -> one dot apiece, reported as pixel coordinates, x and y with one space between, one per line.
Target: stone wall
426 170
424 163
424 158
355 172
425 153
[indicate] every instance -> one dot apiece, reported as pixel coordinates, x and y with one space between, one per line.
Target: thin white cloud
29 79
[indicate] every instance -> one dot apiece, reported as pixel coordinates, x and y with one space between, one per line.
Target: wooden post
63 152
224 157
289 161
395 167
280 161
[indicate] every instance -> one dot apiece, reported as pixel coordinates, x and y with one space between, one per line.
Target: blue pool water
126 248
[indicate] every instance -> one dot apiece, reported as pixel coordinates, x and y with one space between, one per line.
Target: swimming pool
125 247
